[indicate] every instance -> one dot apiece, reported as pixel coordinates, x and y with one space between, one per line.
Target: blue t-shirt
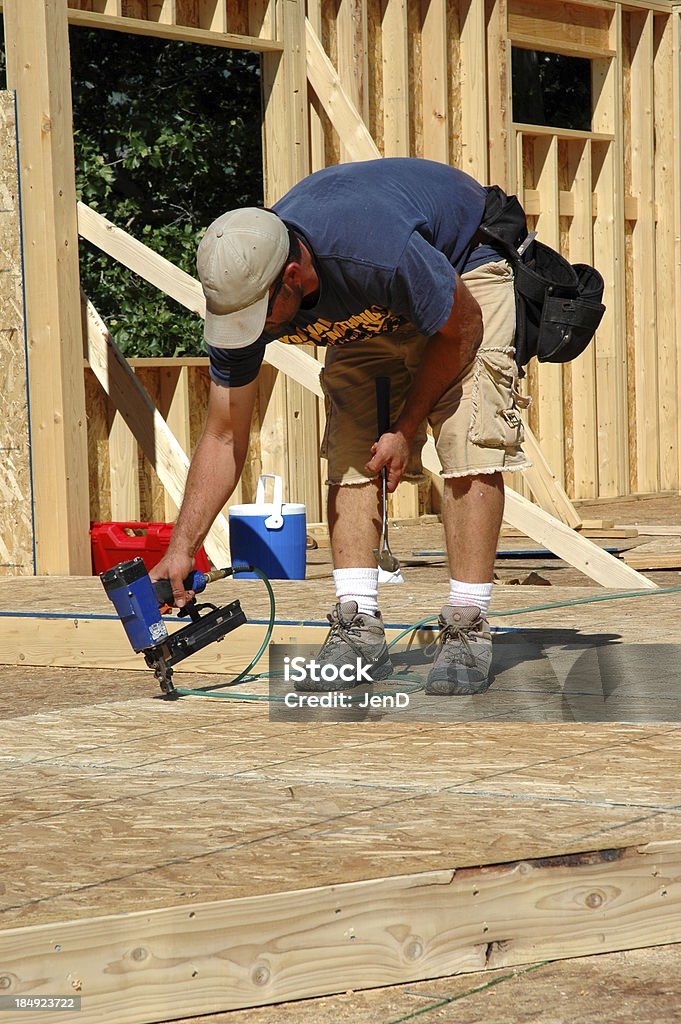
387 238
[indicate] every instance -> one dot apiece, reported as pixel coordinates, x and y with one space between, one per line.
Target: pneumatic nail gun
139 604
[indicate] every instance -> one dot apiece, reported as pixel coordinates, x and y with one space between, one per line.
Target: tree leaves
167 137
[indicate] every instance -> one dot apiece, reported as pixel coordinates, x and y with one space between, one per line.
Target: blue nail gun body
138 603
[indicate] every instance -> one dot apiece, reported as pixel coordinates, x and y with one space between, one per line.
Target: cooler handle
275 521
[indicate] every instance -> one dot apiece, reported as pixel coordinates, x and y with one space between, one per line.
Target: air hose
243 676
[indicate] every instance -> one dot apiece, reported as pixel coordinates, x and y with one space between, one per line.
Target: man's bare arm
445 357
213 474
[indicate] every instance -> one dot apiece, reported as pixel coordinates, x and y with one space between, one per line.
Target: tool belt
558 304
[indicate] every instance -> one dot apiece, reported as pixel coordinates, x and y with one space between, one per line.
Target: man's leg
478 432
349 382
354 524
472 513
356 625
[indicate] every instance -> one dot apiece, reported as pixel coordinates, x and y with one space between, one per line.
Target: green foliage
167 137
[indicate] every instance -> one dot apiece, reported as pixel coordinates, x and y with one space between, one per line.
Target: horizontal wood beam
659 6
99 642
548 45
561 133
605 5
163 30
653 560
560 27
159 361
531 200
208 957
532 204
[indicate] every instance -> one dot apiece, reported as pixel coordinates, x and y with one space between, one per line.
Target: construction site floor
135 802
114 800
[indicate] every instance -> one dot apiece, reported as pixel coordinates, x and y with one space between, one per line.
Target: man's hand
175 567
391 450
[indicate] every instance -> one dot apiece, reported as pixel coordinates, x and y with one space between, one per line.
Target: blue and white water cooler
269 535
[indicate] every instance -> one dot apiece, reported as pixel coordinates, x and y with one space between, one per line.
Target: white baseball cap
239 259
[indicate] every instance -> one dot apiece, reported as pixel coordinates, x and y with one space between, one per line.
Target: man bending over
379 262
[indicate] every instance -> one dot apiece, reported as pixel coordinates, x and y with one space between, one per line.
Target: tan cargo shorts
476 423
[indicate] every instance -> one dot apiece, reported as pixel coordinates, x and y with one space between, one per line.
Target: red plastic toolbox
117 542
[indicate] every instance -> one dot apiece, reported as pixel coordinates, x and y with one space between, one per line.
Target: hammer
386 560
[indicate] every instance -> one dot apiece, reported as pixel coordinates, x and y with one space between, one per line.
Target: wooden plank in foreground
143 967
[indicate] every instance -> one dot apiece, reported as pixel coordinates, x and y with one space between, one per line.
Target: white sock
360 585
467 594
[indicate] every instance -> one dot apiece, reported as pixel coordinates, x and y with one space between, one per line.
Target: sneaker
352 635
462 664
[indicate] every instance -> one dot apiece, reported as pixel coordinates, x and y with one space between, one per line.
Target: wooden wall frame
347 81
38 70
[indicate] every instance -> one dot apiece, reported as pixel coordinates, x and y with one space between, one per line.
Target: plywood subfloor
130 804
114 800
135 803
